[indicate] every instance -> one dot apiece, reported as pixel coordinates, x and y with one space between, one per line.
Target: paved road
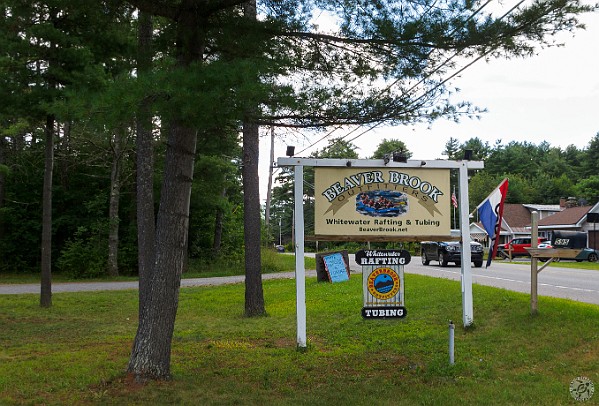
580 285
576 284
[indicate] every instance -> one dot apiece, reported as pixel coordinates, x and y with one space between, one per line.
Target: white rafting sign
383 282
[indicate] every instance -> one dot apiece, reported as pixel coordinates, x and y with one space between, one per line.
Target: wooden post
534 241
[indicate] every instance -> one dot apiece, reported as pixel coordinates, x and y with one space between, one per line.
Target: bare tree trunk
218 228
145 166
113 207
63 148
46 271
2 183
254 295
151 353
150 357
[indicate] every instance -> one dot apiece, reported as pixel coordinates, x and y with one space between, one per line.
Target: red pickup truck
517 247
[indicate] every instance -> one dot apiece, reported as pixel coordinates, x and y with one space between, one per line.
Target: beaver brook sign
366 202
379 200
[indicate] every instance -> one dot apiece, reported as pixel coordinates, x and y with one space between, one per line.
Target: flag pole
454 218
490 194
490 213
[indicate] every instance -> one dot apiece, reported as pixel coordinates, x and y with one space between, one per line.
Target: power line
397 80
448 60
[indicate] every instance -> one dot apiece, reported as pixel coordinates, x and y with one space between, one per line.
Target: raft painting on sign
389 202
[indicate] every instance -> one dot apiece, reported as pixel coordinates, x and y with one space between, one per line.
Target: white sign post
466 271
299 163
300 271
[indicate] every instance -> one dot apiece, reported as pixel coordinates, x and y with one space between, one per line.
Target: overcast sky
553 97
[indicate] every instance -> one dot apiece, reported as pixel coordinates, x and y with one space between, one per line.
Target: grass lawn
272 262
76 351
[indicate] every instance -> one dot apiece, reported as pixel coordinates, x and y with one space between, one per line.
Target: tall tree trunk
218 228
254 295
150 357
3 167
113 207
145 165
46 260
63 148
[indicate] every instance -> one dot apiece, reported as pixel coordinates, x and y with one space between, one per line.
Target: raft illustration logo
373 201
383 283
382 203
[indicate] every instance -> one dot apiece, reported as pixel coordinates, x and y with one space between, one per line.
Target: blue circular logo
383 283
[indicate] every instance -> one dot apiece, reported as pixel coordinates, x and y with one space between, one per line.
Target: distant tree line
538 173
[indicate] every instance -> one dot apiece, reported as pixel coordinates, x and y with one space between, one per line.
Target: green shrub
272 262
85 255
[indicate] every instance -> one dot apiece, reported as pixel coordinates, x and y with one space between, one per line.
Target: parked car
517 247
587 254
449 251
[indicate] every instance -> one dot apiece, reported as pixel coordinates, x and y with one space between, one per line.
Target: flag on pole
454 200
490 214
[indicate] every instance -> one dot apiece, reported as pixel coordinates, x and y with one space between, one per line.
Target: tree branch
335 39
162 8
167 9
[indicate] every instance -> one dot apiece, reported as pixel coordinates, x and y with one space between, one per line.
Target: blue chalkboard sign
336 267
